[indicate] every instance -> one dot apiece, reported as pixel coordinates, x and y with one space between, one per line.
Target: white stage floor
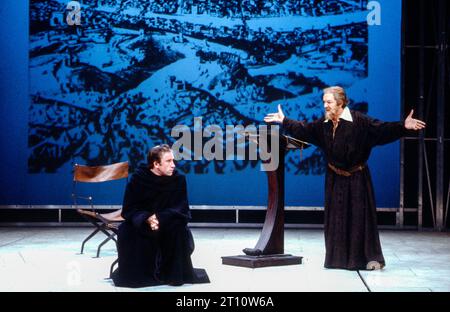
49 260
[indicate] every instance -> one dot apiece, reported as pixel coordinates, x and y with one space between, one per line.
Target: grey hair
339 95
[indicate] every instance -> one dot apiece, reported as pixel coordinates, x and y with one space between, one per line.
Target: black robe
147 257
351 233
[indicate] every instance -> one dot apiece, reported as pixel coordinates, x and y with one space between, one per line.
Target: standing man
155 243
347 138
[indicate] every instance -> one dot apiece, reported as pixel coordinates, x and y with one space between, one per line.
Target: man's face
332 109
166 166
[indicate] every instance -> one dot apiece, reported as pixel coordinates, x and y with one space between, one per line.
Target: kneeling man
155 243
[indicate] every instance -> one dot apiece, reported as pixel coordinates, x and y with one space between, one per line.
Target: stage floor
49 259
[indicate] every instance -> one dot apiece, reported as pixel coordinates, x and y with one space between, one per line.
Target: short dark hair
155 154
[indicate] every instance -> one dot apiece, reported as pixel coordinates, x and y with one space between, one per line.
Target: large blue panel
108 89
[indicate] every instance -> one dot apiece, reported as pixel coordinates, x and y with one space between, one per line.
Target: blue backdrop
112 87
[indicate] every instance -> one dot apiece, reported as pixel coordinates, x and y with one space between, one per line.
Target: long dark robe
351 233
147 257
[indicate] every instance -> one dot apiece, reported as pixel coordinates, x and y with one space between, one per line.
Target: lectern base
261 261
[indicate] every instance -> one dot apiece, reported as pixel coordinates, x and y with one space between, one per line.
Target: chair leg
88 238
112 267
110 236
104 230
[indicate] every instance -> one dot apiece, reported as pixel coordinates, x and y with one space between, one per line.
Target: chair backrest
94 174
106 223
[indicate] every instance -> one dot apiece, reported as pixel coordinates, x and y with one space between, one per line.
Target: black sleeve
132 208
308 132
381 132
178 208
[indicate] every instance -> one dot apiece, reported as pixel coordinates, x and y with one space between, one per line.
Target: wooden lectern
269 250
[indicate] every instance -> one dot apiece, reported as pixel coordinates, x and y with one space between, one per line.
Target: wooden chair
106 223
